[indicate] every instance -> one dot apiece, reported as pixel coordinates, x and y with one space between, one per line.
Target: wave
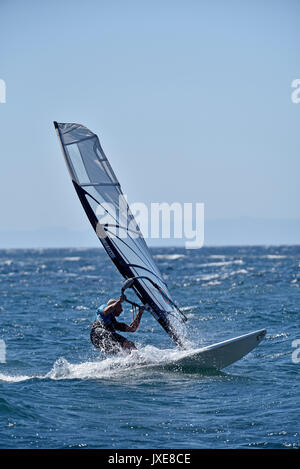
208 278
169 257
213 283
218 264
7 262
215 279
71 259
109 367
274 256
217 256
15 379
87 268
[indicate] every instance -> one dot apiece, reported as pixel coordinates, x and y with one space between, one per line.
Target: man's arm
136 322
120 326
109 309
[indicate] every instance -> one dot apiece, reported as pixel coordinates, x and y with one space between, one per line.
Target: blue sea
57 391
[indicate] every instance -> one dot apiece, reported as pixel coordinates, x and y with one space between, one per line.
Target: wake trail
109 367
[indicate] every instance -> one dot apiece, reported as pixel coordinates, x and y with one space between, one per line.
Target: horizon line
152 247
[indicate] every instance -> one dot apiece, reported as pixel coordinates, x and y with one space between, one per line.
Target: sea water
57 391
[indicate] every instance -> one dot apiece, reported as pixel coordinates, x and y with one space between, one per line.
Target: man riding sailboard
99 190
103 330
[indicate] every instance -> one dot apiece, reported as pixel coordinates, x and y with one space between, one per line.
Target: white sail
100 193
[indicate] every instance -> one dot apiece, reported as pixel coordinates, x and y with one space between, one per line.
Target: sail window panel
145 253
95 194
108 217
126 247
94 205
77 164
72 133
109 171
93 164
106 206
171 314
150 261
137 244
151 291
130 242
155 294
130 252
110 195
107 199
106 166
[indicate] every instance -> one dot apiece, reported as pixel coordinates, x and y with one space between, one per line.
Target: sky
191 101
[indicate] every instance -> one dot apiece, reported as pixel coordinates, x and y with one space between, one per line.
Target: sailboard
220 355
106 207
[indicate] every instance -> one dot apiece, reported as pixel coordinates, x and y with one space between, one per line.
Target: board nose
261 334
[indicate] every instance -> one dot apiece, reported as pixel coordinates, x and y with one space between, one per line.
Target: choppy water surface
56 391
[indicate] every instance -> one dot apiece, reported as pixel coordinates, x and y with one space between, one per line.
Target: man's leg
128 345
123 342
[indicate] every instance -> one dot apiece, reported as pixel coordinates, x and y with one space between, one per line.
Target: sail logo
184 221
2 91
295 96
2 351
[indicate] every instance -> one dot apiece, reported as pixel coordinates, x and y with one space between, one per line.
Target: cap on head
111 301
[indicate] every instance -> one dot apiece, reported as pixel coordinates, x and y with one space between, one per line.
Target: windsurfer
103 330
